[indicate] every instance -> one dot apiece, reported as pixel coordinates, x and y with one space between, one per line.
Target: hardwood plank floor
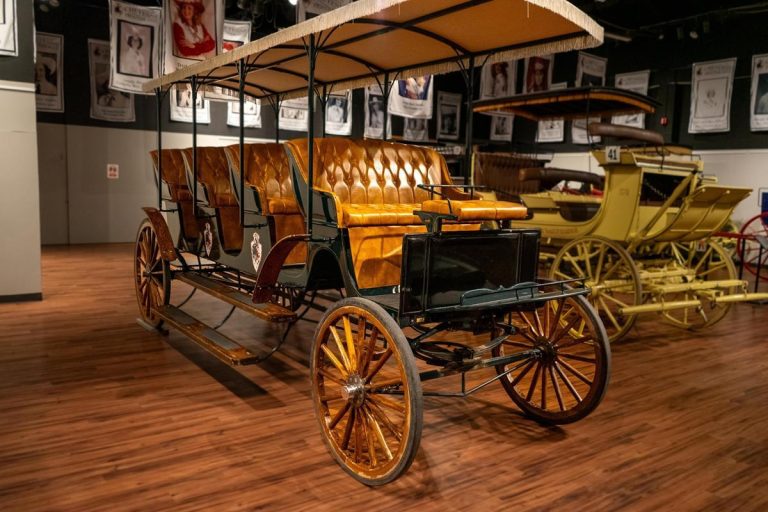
98 414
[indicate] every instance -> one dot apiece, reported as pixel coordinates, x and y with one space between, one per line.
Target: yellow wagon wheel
569 379
611 274
366 391
711 262
151 275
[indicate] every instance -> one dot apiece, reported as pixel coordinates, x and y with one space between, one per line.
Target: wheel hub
354 391
546 349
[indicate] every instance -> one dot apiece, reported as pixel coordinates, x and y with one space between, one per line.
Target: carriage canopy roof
361 42
570 103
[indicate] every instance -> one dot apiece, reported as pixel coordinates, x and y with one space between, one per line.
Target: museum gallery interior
383 255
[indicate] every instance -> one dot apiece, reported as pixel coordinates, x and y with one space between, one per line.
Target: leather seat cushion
380 214
282 206
476 210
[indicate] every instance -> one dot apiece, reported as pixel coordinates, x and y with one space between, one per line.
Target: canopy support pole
469 77
243 163
159 101
312 53
385 91
324 104
194 143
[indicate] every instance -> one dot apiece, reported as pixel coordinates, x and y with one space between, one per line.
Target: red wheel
750 249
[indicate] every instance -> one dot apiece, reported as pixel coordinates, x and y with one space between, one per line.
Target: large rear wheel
151 275
750 250
366 391
568 378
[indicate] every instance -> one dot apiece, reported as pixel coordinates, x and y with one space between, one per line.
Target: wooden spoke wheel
366 391
608 270
711 262
568 378
749 252
151 275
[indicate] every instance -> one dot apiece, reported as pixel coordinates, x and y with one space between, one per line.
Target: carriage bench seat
377 183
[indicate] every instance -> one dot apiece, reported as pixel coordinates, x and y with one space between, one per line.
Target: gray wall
19 195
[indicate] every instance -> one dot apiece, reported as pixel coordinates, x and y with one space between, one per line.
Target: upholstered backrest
174 173
213 173
267 169
501 171
371 171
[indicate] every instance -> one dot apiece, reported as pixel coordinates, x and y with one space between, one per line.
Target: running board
267 311
214 342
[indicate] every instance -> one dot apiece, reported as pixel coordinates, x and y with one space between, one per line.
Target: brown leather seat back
174 173
175 177
213 173
371 171
267 171
502 172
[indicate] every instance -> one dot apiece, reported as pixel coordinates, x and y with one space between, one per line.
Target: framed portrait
590 70
107 104
501 128
416 130
374 113
638 82
251 114
412 97
134 49
49 63
448 115
758 119
181 105
338 114
711 91
498 79
294 115
9 36
538 73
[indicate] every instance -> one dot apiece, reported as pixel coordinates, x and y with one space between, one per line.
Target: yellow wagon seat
175 178
268 173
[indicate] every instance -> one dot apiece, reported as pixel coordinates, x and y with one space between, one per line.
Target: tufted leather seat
175 178
213 173
268 172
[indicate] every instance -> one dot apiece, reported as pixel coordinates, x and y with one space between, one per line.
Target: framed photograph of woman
497 79
134 49
448 115
49 63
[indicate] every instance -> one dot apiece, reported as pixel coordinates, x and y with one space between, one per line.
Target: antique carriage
643 244
435 280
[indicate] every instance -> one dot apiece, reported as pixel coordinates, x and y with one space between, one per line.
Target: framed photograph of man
501 128
134 49
181 106
538 73
758 119
374 113
497 79
49 62
9 37
711 90
338 114
448 115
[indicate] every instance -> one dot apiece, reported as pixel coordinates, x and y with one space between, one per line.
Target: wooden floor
98 414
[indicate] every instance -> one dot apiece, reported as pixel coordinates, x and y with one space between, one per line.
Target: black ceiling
643 14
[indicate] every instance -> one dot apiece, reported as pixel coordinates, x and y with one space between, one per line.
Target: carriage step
267 311
214 342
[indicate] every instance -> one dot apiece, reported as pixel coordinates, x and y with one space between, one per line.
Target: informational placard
9 34
193 31
711 90
338 113
315 7
49 76
251 116
374 112
758 119
638 82
412 97
294 115
552 130
590 70
107 104
135 45
416 130
448 115
181 106
538 73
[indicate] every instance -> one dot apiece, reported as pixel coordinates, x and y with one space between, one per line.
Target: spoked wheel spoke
611 274
566 376
151 275
366 390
